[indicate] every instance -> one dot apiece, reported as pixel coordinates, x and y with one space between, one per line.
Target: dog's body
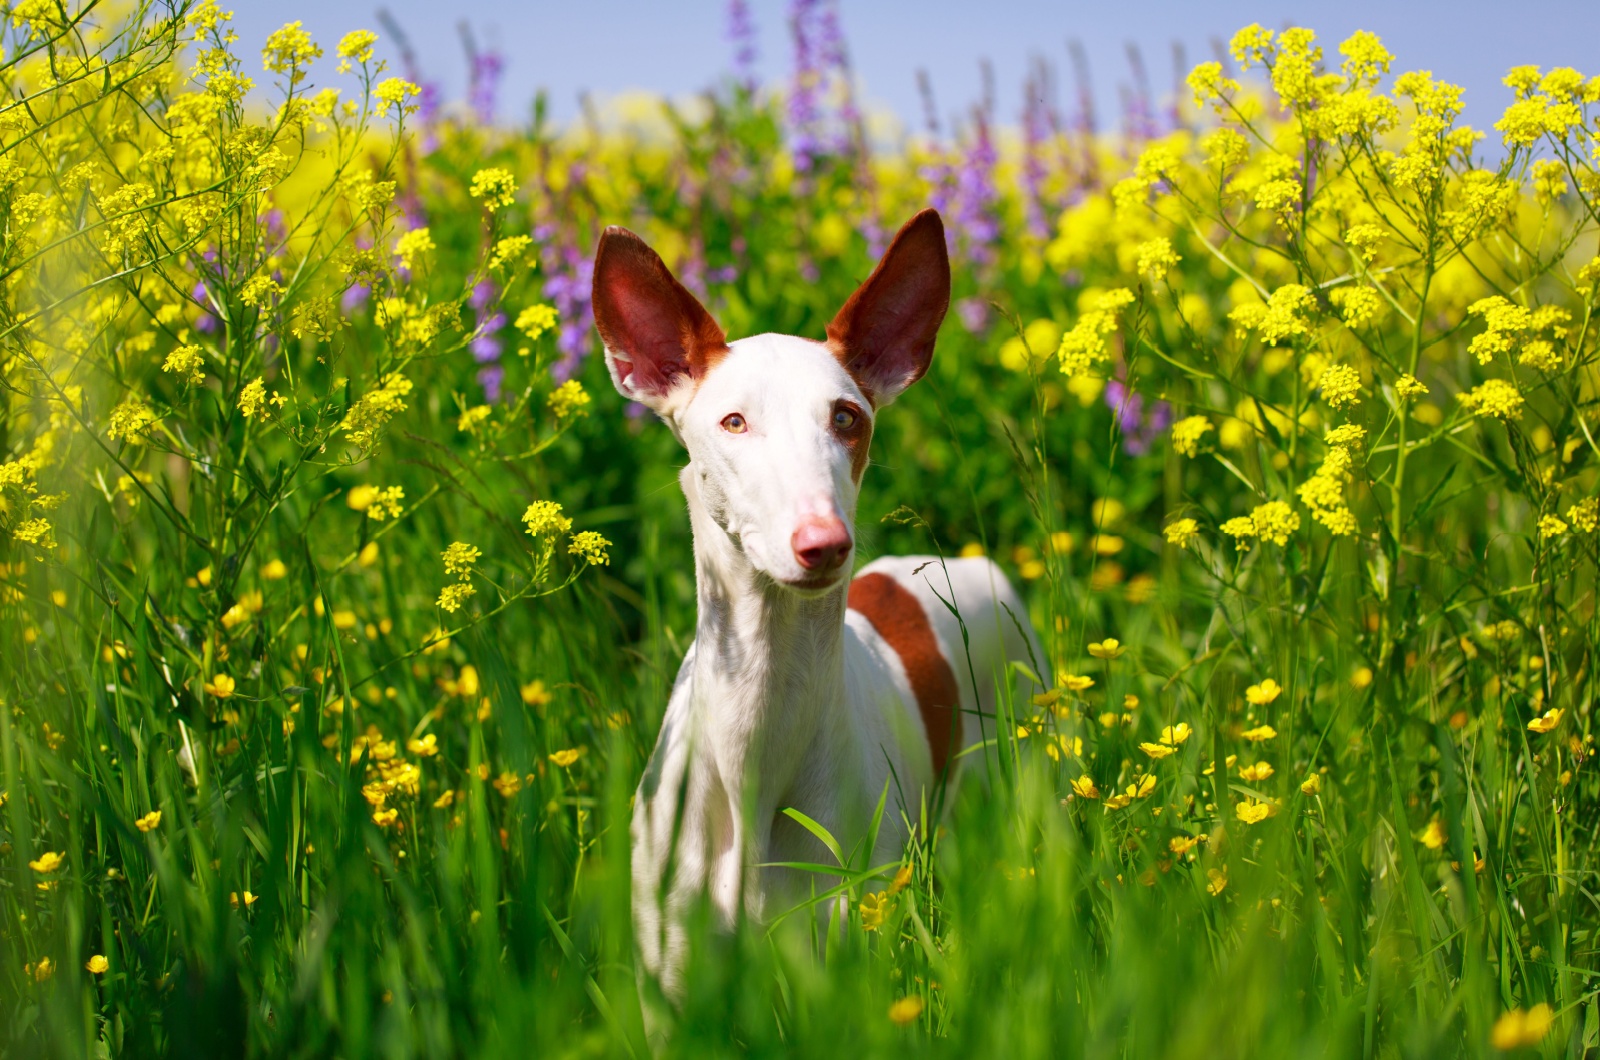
804 688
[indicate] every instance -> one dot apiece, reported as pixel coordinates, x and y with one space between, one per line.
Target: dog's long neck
769 663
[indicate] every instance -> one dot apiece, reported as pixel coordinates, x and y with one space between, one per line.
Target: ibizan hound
803 688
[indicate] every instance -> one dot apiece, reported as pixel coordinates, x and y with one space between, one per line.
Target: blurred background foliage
340 595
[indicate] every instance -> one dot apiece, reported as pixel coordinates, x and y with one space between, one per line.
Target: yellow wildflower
1084 787
220 685
874 910
590 547
906 1010
1517 1029
495 186
544 518
1260 733
507 784
1252 812
1434 836
1312 785
1110 648
1547 721
97 965
48 862
1262 694
536 320
1156 750
567 757
1181 531
1186 435
1259 771
149 822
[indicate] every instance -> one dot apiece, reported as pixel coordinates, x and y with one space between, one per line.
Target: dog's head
777 427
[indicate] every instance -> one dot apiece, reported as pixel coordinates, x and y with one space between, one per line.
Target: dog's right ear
657 335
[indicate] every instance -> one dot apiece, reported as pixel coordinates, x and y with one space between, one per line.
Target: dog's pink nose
821 544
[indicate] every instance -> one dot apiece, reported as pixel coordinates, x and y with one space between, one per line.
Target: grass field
320 726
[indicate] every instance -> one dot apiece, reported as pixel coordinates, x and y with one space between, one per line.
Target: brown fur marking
898 617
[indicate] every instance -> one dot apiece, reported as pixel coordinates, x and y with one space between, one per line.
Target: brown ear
884 335
655 332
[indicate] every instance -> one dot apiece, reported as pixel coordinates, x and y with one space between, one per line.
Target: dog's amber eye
734 423
844 419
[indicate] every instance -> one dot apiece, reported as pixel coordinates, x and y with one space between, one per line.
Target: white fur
785 699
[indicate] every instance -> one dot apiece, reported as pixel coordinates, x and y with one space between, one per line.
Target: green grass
272 912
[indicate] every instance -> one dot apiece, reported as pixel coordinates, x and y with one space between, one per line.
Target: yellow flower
544 518
253 399
1551 526
1181 531
444 800
1187 433
1182 844
41 971
249 898
1156 256
507 784
1312 785
536 320
1547 721
357 45
1259 771
590 547
1156 750
1259 733
220 685
1434 836
874 910
385 818
186 362
1264 693
906 1010
568 401
98 965
495 186
1173 735
397 92
1252 812
1494 397
1517 1029
1075 683
451 597
1084 787
149 822
567 757
1218 880
902 880
1340 385
413 246
425 746
1409 386
1110 648
460 557
49 861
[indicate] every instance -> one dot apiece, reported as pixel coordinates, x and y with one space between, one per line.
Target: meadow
340 594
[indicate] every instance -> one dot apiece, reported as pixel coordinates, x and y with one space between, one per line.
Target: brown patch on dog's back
898 617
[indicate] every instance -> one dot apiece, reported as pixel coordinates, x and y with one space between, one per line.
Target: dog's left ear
884 335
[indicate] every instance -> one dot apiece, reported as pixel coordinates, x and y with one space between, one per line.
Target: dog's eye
844 419
734 423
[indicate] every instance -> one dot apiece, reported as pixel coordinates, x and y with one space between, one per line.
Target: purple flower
977 200
355 296
804 113
742 35
1139 431
490 377
484 83
973 313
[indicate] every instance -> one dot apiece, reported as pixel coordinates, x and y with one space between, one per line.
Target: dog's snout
821 544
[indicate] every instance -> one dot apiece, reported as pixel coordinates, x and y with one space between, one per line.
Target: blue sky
612 46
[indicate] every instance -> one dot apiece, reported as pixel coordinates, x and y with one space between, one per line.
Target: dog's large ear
884 335
656 334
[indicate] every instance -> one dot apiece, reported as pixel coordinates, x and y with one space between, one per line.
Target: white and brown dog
803 688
